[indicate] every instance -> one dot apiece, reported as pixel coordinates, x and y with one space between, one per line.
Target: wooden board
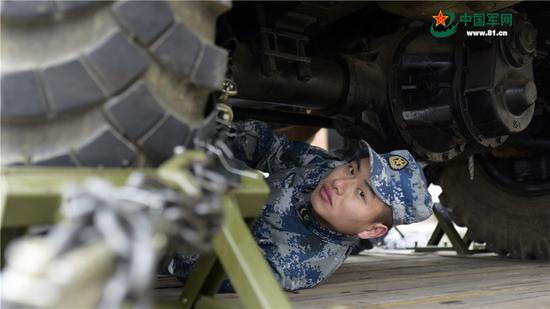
386 279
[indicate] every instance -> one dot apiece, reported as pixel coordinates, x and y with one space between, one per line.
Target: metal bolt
229 87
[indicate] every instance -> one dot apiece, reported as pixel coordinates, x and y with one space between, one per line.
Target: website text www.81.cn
489 32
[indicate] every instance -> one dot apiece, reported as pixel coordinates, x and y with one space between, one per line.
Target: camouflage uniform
301 251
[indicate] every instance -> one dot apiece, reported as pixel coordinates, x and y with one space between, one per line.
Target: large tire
512 225
93 83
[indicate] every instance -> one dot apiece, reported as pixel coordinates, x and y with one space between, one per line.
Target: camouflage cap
399 182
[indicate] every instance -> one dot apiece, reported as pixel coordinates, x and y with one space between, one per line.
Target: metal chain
126 229
136 223
229 89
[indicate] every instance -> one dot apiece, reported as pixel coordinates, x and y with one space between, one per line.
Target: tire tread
110 76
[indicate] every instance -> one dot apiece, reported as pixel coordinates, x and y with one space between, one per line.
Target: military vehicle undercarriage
101 84
469 107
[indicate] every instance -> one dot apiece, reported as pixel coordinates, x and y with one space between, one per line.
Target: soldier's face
344 200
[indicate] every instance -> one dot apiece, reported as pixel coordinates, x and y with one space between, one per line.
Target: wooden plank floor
386 279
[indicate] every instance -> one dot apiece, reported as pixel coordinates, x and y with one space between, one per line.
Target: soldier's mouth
325 194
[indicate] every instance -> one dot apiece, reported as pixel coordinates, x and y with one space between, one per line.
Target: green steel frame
445 227
235 253
31 196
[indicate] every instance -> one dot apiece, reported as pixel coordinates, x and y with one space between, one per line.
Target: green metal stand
31 196
237 255
445 227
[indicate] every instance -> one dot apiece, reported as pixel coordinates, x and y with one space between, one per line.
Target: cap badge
397 162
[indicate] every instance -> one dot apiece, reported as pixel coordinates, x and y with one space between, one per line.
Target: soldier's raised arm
256 144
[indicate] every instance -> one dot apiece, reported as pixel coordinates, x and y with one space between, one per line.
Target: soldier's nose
340 185
337 186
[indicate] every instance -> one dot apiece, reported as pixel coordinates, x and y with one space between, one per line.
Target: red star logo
440 19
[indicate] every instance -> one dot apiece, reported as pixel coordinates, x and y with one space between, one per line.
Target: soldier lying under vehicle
320 206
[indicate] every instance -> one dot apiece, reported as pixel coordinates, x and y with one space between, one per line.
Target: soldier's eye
351 170
362 194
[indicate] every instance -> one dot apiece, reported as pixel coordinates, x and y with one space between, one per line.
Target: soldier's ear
374 231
